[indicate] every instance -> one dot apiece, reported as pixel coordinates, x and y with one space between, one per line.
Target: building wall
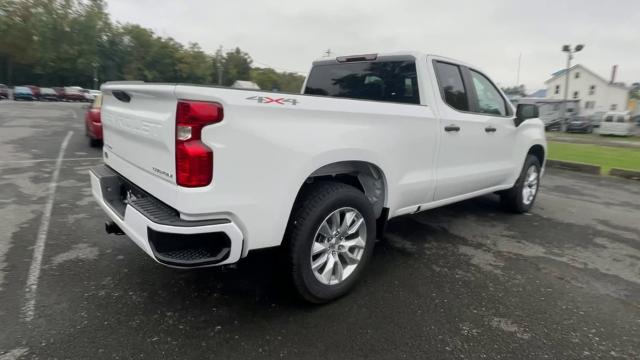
603 97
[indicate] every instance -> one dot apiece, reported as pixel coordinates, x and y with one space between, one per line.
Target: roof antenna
328 53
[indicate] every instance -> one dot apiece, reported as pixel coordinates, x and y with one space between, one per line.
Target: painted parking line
28 311
45 160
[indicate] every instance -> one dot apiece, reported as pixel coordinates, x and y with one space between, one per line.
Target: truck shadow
259 280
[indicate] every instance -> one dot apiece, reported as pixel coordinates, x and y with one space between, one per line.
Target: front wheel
521 196
329 240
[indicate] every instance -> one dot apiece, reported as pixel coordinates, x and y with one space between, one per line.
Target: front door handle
490 129
451 128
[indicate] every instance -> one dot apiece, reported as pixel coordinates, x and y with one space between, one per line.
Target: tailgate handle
121 95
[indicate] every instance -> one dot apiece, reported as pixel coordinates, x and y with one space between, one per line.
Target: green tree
193 65
237 66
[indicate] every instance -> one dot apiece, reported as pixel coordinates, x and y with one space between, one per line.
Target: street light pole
570 52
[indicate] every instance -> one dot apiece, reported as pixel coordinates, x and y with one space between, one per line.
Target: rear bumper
158 230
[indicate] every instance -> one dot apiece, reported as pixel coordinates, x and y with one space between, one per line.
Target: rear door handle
451 128
490 129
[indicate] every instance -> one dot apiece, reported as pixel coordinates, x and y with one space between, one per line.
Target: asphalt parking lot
464 281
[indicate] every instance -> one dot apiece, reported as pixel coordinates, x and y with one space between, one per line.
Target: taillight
194 160
94 115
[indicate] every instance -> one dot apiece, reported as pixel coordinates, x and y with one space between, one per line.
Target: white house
592 91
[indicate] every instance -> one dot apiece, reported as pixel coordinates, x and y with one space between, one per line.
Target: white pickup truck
201 175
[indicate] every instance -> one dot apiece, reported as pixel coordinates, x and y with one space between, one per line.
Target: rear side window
393 81
452 86
489 99
620 119
608 119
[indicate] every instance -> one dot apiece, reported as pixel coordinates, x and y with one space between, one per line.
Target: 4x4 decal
275 101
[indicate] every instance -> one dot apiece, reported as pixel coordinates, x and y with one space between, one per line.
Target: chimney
614 69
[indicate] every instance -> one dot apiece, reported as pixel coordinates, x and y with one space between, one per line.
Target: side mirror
524 112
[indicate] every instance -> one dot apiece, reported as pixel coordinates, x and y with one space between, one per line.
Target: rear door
463 154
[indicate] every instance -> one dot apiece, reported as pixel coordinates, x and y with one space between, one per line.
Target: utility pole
219 65
95 76
518 75
570 52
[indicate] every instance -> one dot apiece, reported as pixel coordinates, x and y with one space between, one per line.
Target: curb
575 166
624 173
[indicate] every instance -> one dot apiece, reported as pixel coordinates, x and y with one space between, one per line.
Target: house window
614 107
592 90
575 94
590 105
577 75
557 90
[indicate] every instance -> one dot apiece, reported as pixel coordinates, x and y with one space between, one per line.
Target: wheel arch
539 152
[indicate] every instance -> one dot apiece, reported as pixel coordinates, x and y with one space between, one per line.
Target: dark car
35 90
4 91
23 93
579 124
554 125
93 123
48 94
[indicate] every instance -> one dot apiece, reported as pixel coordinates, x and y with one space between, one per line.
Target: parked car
48 94
596 118
94 93
93 123
23 93
320 173
60 92
554 125
617 123
73 94
579 124
35 90
4 91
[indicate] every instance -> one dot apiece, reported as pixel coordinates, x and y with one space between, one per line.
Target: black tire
513 199
94 143
312 207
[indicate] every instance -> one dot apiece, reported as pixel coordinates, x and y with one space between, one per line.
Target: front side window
452 86
489 99
393 81
608 119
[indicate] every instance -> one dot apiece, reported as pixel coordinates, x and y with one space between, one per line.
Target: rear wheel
521 196
329 240
94 142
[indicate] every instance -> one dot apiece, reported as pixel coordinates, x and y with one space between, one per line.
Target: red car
35 90
93 124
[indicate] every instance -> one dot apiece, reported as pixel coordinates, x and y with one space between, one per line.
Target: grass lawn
605 156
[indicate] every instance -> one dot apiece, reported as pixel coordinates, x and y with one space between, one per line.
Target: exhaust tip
112 228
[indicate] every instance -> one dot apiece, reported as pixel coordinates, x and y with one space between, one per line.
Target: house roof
539 94
583 68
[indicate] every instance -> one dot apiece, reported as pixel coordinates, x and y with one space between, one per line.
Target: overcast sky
491 34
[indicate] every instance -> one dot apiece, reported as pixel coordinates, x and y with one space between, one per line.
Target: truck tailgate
139 134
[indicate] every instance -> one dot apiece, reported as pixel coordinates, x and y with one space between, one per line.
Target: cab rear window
392 81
